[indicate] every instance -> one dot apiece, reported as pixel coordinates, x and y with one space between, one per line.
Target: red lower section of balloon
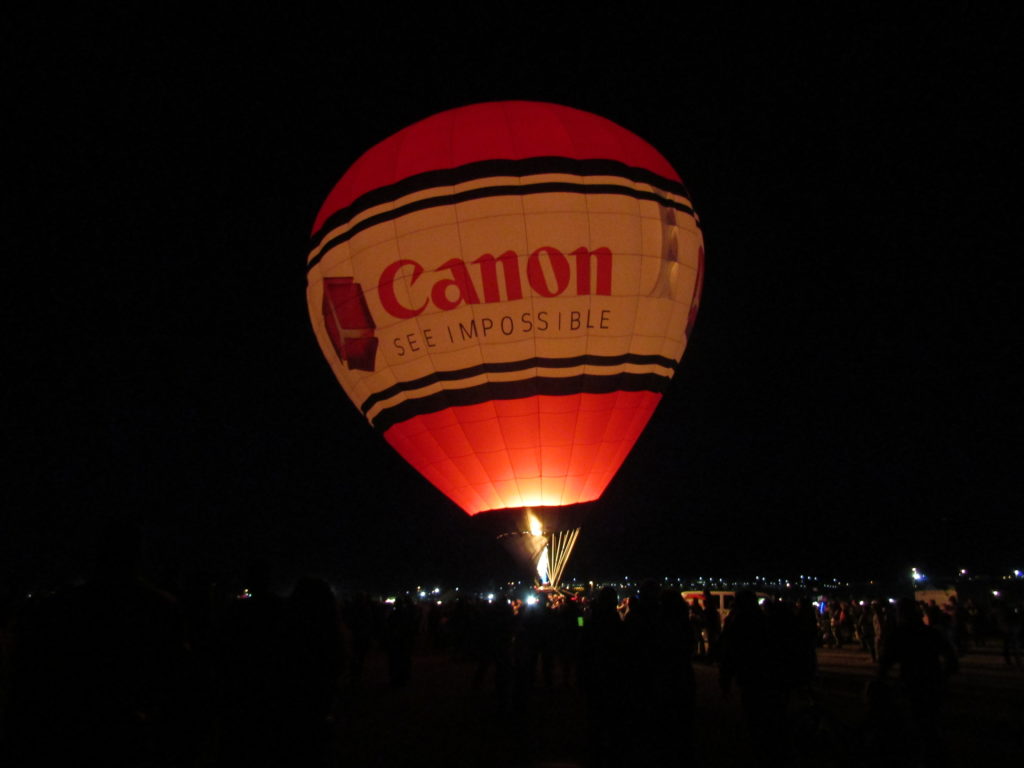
535 451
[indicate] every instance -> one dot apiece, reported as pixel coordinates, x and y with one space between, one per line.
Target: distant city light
916 575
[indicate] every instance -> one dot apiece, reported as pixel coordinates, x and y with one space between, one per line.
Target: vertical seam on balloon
465 480
501 425
434 367
444 385
619 375
487 383
540 426
533 313
587 337
501 429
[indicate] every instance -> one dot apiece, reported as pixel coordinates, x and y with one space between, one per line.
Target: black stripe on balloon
516 390
519 365
519 190
530 166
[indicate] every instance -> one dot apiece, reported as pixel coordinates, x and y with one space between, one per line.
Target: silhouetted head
908 611
648 594
672 603
118 548
606 603
745 603
313 597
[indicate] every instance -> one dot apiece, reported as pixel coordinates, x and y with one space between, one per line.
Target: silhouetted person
700 647
959 621
712 622
360 619
567 637
925 658
866 630
749 655
314 658
806 651
400 639
602 661
885 733
1008 619
253 652
527 646
660 686
494 648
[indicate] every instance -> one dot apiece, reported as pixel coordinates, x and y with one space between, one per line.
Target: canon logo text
548 273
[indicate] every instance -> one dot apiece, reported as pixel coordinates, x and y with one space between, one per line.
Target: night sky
847 404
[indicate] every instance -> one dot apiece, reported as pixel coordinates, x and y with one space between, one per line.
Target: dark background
846 407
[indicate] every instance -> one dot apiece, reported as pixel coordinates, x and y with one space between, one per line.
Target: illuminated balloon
505 290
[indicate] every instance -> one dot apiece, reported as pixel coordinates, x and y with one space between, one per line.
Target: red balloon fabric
505 290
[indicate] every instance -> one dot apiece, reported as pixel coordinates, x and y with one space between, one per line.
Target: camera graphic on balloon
349 323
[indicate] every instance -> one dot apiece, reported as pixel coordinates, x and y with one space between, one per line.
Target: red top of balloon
495 130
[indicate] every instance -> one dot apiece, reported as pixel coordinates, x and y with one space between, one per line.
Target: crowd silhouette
117 671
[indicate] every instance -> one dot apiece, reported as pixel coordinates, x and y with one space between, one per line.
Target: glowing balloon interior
505 290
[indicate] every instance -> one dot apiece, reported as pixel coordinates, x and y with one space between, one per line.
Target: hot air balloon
504 290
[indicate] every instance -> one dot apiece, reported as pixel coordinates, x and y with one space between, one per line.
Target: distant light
440 603
245 594
916 575
963 571
389 601
1018 574
531 600
437 590
996 593
423 594
490 597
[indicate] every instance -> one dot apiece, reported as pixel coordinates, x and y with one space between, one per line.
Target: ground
440 719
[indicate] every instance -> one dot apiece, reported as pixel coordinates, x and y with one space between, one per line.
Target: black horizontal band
516 390
519 190
606 361
483 169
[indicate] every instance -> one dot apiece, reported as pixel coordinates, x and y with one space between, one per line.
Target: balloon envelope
504 290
